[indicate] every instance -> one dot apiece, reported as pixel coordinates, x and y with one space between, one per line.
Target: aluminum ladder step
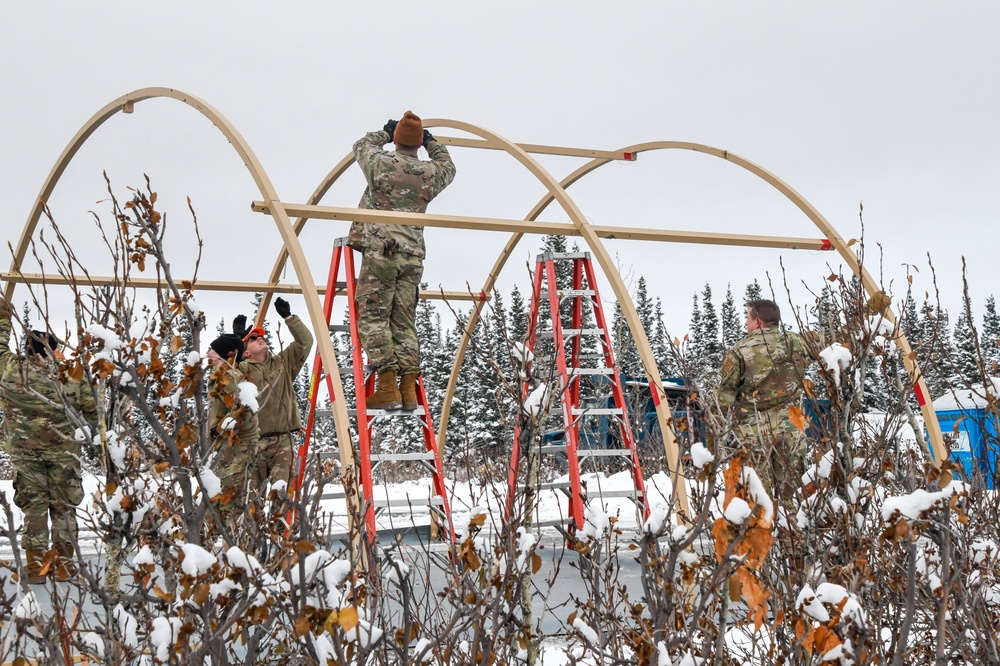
572 332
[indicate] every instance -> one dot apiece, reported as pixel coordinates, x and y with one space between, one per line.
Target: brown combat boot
387 396
408 390
65 567
33 566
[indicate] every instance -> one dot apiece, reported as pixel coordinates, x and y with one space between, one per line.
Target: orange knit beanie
409 131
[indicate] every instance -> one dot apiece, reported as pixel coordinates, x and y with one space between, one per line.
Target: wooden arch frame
126 104
592 234
578 226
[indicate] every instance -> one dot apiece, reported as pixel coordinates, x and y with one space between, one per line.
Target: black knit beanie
226 344
40 342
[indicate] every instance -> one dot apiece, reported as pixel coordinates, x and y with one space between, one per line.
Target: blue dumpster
971 433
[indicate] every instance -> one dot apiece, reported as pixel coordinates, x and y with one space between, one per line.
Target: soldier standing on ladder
393 255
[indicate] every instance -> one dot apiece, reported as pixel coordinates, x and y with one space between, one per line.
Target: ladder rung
603 453
350 368
327 455
552 448
406 503
555 522
324 413
591 371
553 485
573 332
632 494
419 411
340 328
595 411
569 293
398 457
561 256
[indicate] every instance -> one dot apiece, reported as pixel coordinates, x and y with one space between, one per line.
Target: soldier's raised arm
438 152
6 312
368 149
294 355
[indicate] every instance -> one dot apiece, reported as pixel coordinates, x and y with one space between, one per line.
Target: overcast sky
893 104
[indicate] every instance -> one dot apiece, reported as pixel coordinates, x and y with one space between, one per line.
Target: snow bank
961 398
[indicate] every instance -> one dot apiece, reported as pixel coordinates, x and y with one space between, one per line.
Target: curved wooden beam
939 450
126 104
556 192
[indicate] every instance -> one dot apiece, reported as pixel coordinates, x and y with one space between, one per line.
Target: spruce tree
626 353
828 323
629 361
518 316
693 345
438 367
966 358
990 340
711 345
753 293
936 350
732 323
663 346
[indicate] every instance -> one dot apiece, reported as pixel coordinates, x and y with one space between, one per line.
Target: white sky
893 104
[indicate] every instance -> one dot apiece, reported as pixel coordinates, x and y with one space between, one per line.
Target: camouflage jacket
34 411
279 408
398 180
763 372
218 410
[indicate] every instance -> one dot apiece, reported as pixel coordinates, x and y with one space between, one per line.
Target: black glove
240 326
428 137
390 127
282 307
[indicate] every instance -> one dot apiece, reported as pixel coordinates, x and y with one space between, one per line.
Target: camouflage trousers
279 457
778 450
238 467
387 309
47 487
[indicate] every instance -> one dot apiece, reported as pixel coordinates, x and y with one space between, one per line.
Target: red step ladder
568 371
364 382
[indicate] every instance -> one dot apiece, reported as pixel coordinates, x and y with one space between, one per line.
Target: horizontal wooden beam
539 227
216 285
709 238
539 149
419 220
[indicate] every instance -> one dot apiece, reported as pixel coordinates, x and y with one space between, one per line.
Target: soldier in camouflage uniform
233 428
761 379
42 444
273 374
393 262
